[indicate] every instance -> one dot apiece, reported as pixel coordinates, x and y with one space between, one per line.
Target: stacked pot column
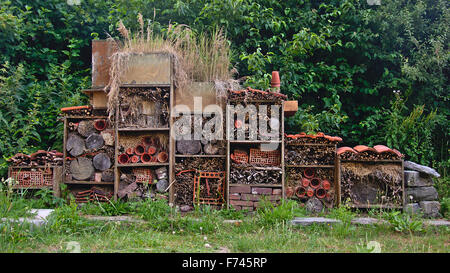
143 161
311 170
255 169
199 158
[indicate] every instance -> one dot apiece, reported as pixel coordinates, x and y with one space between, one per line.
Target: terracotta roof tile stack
38 158
362 152
319 138
255 94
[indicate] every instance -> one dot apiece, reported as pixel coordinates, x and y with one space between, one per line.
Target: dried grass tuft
196 57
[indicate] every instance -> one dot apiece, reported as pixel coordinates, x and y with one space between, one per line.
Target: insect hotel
147 134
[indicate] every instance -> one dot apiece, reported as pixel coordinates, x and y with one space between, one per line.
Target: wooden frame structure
373 162
231 143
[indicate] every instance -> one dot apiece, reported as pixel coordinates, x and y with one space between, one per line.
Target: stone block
241 203
250 197
421 194
416 179
430 209
240 189
235 196
412 208
277 191
261 190
306 221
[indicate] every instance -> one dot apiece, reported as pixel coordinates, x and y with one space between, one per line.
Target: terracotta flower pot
123 159
314 183
321 193
289 192
152 150
309 172
134 159
162 157
100 124
275 82
139 149
310 192
129 151
326 184
146 158
147 140
300 192
305 182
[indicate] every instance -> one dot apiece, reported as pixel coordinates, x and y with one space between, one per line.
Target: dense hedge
369 73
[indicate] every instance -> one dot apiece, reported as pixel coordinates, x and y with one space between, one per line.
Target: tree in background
342 59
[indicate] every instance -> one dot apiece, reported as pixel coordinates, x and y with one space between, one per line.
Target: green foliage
111 208
68 219
341 59
404 222
270 215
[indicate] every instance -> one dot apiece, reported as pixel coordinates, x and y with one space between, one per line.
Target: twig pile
254 94
143 107
365 184
310 155
38 158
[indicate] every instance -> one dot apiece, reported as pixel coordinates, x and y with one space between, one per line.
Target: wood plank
73 182
142 129
310 166
221 156
259 185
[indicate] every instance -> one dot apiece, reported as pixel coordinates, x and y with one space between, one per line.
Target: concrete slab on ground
39 219
368 221
121 218
306 221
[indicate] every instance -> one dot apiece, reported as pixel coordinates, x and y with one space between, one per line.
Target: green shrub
269 214
404 222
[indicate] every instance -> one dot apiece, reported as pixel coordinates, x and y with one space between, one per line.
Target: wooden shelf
254 141
88 183
142 129
256 101
259 185
310 166
84 117
373 161
206 156
310 144
160 85
30 188
34 167
262 168
142 164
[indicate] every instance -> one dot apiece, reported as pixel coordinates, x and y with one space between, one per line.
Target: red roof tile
318 135
364 148
342 150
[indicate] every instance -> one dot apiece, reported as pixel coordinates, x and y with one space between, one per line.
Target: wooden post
57 180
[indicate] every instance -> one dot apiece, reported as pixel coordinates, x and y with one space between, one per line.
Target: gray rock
185 208
306 221
314 205
421 194
412 208
437 223
367 221
430 209
420 168
162 185
417 179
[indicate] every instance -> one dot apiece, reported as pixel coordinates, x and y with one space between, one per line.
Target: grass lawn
187 234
